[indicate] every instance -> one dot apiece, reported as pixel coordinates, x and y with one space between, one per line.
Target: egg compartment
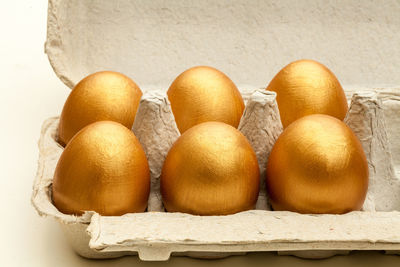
155 235
156 130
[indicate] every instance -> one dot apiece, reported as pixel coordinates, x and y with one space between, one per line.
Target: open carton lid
154 41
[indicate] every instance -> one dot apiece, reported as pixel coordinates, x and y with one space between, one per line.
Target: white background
30 93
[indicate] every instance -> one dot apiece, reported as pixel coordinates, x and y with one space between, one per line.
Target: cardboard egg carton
156 234
87 36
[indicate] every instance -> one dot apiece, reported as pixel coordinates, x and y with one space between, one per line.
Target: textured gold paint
210 170
202 94
103 168
317 165
100 96
306 87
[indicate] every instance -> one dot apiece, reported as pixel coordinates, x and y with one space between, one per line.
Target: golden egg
210 170
105 95
202 94
306 87
317 165
104 169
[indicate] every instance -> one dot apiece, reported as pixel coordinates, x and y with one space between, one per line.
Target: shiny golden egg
202 94
104 95
317 165
104 169
210 170
306 87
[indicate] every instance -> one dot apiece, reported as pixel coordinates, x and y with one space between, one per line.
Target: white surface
30 92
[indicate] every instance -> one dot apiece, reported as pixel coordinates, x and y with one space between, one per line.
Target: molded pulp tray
153 41
155 234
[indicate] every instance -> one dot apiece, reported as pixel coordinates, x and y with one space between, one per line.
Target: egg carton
88 36
156 235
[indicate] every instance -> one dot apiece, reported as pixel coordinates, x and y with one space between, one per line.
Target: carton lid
154 41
